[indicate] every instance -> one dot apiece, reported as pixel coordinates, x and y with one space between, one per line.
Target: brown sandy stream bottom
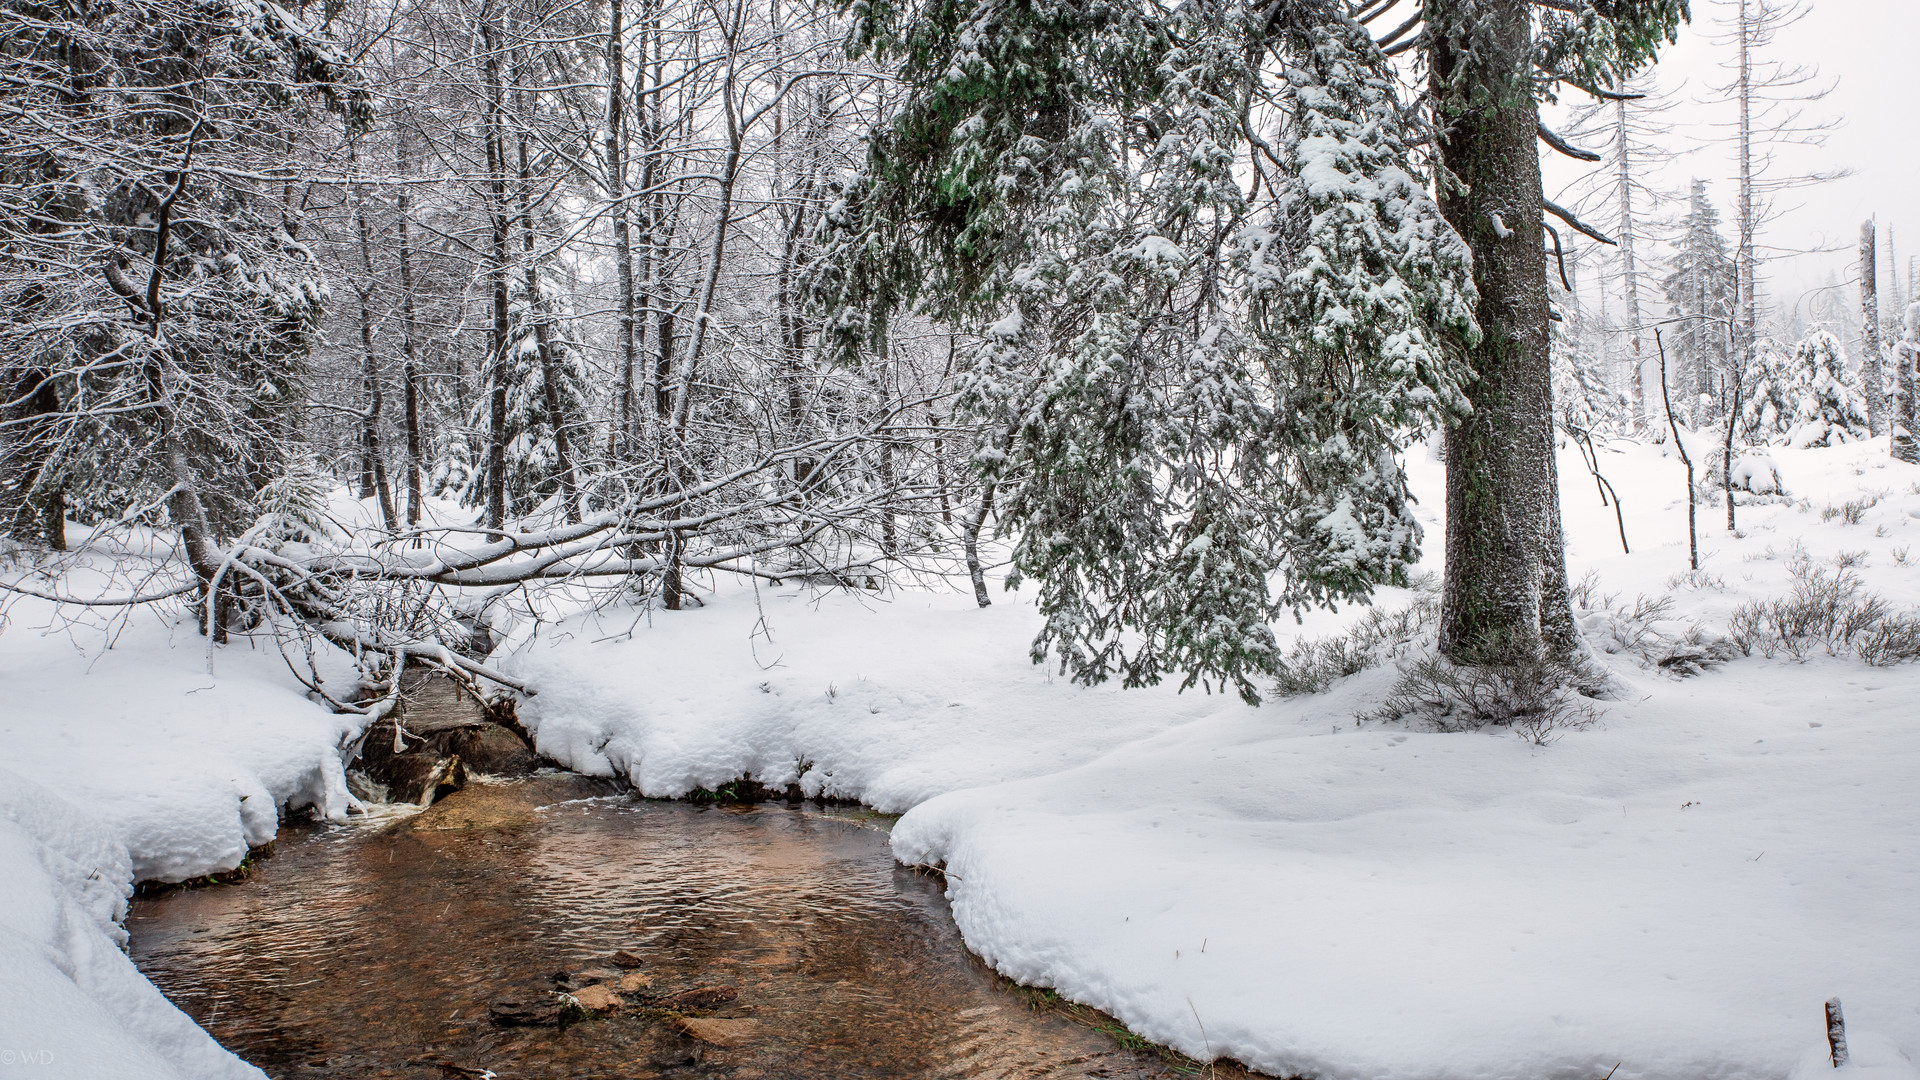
370 952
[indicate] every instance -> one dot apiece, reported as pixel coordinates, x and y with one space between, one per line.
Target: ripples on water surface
357 952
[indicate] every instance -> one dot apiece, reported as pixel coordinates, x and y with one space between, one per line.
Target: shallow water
374 952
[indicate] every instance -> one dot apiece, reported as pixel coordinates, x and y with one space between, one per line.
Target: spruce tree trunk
1505 595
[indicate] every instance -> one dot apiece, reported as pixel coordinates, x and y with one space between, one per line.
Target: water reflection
362 952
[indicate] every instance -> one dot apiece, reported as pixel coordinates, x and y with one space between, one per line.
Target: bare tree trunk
370 364
537 314
1680 446
716 257
1630 273
1746 266
165 384
370 418
970 542
1505 595
616 165
1871 375
496 513
410 334
655 402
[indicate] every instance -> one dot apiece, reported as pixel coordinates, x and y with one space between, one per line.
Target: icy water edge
763 941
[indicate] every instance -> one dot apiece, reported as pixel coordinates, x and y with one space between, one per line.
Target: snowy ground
1676 889
124 764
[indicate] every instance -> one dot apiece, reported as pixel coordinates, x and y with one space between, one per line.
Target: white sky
1869 45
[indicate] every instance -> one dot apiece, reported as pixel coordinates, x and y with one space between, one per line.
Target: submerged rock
705 997
526 1009
719 1032
597 998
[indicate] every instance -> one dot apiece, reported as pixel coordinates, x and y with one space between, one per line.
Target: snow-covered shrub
1829 609
1851 512
1539 697
1827 408
297 500
1648 630
1380 636
1755 471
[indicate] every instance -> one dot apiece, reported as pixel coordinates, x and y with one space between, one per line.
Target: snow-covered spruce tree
541 340
1700 294
1581 396
1904 415
154 289
1767 403
1582 399
1827 408
1202 386
1197 384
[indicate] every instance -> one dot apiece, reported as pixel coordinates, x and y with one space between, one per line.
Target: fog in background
1864 49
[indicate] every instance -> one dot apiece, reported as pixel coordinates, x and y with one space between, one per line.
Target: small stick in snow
1836 1032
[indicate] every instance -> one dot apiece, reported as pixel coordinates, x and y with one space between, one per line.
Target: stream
745 941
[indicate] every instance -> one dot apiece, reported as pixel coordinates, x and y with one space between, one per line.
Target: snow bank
887 701
1677 890
125 764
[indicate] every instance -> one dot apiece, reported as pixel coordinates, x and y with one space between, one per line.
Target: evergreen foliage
1200 390
122 115
1700 293
533 473
1827 408
1767 405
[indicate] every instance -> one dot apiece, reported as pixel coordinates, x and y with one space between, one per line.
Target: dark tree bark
498 212
970 542
616 166
537 313
376 463
409 336
1506 580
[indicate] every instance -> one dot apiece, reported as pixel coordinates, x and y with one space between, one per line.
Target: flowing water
377 951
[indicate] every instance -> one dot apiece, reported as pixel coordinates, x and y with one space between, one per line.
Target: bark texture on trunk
1871 376
410 335
498 212
616 165
1630 273
1505 595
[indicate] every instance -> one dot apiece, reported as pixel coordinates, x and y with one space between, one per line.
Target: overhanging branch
1579 226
